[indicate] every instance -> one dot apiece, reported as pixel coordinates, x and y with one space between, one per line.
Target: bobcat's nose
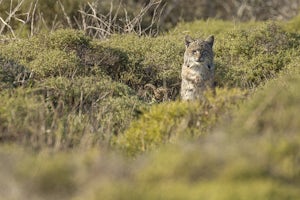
200 59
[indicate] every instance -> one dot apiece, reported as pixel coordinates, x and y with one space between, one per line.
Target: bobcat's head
199 52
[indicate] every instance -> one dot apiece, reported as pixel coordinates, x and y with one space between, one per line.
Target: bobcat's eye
195 52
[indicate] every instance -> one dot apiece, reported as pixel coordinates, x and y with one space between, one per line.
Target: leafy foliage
170 122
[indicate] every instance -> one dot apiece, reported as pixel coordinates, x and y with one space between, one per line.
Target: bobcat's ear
188 40
210 40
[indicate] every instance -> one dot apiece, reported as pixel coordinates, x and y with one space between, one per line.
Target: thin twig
32 18
65 14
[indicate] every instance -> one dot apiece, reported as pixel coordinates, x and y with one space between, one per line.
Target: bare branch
5 23
9 27
65 14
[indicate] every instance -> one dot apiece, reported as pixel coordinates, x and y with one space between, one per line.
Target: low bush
23 118
66 53
273 109
54 63
65 122
170 122
12 74
81 94
155 61
247 59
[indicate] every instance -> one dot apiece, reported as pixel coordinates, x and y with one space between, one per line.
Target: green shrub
22 51
154 62
247 58
54 63
39 61
62 113
150 60
81 93
169 122
269 122
54 178
12 74
23 118
66 53
92 56
67 40
273 109
75 81
293 25
37 56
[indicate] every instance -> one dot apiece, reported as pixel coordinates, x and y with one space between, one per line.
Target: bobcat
198 68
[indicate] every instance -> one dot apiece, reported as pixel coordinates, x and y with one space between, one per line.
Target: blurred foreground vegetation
83 118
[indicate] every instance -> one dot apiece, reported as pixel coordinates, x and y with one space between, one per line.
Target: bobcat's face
198 64
199 53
